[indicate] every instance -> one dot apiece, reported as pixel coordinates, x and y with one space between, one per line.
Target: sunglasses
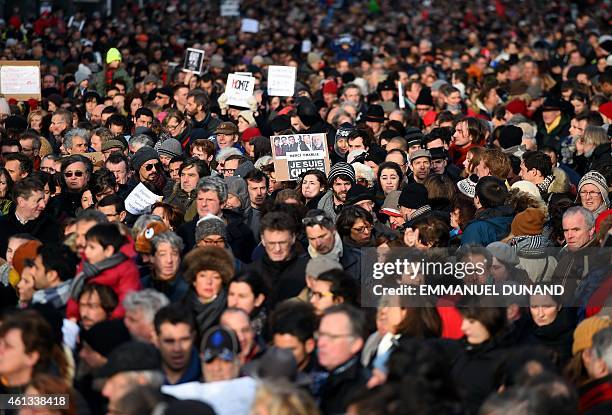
150 167
77 173
316 220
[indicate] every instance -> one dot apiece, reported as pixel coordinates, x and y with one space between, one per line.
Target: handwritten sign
140 200
281 81
20 79
239 89
230 8
249 26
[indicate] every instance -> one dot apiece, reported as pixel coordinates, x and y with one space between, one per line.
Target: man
76 141
19 166
211 196
358 140
168 149
494 162
113 207
554 124
143 118
375 118
30 146
238 320
536 167
257 186
292 326
29 198
180 97
117 163
220 355
340 340
140 309
86 220
227 135
198 108
163 97
281 266
469 133
129 365
9 147
324 241
413 202
61 121
175 338
96 115
53 270
595 397
184 194
76 170
147 169
440 165
341 178
414 140
400 157
420 165
51 164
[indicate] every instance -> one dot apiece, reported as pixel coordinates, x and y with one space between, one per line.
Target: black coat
341 387
284 280
239 236
44 228
558 336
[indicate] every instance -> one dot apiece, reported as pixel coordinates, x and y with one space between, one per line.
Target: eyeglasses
362 229
69 174
315 220
213 242
589 194
173 127
333 337
149 167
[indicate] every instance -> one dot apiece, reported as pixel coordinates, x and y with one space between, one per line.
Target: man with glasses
61 121
113 207
324 241
282 268
76 171
211 231
51 164
30 146
163 97
340 339
147 169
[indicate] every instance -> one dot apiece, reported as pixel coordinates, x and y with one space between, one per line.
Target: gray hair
168 237
224 153
602 346
143 221
589 218
213 184
52 157
154 378
142 139
76 132
149 301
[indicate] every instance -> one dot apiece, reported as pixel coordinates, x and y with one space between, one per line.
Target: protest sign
281 81
297 153
400 93
227 397
230 8
249 26
194 60
20 80
239 89
139 201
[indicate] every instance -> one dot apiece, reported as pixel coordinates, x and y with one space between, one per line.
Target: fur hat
209 258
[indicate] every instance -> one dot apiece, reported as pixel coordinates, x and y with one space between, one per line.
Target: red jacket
123 279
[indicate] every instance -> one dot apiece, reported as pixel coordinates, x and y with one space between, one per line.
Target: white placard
281 81
194 60
227 397
20 80
249 26
140 200
306 46
400 93
239 89
230 8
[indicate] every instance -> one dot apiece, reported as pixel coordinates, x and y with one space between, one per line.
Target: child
105 264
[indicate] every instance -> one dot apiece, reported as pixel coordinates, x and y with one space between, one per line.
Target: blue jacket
193 372
490 225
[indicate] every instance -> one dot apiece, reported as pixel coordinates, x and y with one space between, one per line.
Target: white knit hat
467 187
527 187
598 180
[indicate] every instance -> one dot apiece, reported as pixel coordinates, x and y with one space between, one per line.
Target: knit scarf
543 187
335 254
91 270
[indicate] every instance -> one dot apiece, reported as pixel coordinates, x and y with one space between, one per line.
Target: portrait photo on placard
194 59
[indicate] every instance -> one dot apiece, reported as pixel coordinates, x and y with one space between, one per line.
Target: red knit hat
606 109
250 133
517 106
330 87
601 217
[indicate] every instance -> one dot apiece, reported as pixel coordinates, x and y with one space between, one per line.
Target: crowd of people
469 131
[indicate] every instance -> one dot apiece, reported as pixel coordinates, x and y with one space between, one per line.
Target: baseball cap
219 342
227 128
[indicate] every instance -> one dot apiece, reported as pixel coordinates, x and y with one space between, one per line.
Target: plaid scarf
91 270
56 296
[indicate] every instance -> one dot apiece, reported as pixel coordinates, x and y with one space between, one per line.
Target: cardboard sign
20 80
249 26
194 61
239 89
297 153
97 159
139 201
230 8
281 81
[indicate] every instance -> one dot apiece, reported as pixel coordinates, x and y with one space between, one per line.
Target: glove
222 101
252 101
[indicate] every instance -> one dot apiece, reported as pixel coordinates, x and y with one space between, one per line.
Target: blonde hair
595 135
284 399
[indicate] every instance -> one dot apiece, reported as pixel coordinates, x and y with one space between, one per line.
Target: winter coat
596 397
326 203
119 73
190 134
44 228
181 198
175 289
284 279
206 315
490 225
573 267
557 336
342 384
123 279
533 256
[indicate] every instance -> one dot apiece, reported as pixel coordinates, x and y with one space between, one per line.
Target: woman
245 121
472 159
593 192
43 384
179 127
208 271
580 102
592 148
426 233
390 177
35 120
441 191
165 264
170 214
27 348
247 291
355 225
504 264
552 325
313 187
462 212
479 352
6 190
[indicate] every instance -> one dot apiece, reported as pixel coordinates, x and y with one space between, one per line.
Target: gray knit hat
319 265
170 147
237 186
143 155
210 225
341 168
503 252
